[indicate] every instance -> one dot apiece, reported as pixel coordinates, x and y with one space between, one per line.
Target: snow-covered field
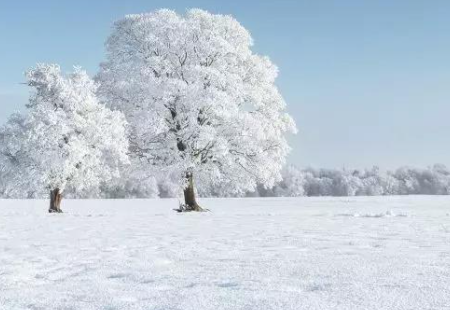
303 253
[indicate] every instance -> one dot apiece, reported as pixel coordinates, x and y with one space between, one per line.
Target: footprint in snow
318 287
227 284
147 281
118 275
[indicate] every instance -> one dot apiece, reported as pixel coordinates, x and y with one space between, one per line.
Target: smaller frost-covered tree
200 103
66 140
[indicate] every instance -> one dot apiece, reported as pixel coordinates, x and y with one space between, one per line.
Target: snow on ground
301 253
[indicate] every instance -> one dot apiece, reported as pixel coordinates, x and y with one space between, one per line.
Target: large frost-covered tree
199 102
67 140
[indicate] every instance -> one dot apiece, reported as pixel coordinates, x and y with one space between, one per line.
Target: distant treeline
434 180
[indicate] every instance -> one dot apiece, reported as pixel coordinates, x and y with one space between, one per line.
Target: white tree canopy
67 140
197 98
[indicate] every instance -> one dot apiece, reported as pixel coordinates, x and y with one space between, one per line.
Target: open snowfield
303 253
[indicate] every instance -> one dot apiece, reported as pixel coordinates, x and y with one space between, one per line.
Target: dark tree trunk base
186 208
55 201
190 203
54 211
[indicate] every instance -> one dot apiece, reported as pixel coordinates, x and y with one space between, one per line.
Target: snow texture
280 253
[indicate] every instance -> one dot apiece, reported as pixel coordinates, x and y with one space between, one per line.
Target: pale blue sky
368 82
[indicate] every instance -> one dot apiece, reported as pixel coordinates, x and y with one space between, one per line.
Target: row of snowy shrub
369 182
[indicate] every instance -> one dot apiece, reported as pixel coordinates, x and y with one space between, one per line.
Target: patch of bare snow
388 213
277 253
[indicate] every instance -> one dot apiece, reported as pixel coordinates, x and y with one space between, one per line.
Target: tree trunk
189 194
55 201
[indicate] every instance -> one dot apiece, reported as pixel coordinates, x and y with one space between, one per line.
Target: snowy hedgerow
431 181
199 102
66 140
368 182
